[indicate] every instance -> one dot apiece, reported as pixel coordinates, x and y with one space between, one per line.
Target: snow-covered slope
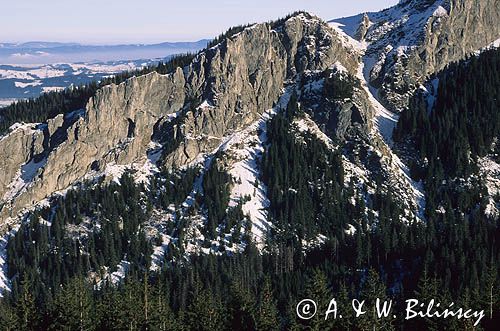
414 39
410 192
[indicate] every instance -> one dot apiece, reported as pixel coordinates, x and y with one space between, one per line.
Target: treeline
234 30
49 105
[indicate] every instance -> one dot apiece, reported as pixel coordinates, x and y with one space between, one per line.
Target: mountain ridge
191 146
434 41
194 90
214 116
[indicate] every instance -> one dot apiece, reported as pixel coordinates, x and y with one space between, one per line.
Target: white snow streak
245 171
385 121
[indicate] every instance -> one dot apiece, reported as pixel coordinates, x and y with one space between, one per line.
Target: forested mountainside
457 118
220 191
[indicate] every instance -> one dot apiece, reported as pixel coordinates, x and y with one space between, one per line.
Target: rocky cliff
244 76
222 121
191 112
184 114
416 38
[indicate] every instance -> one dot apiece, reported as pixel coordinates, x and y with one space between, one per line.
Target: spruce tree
267 312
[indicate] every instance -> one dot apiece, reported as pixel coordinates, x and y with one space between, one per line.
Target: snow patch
115 277
24 85
316 242
23 178
156 228
351 231
205 105
247 149
385 121
120 274
115 171
430 91
346 40
47 89
4 280
337 65
492 45
495 44
149 167
490 171
440 12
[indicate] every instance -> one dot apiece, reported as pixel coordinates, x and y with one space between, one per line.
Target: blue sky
150 21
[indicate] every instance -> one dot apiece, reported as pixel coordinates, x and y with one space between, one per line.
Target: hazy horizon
123 22
124 43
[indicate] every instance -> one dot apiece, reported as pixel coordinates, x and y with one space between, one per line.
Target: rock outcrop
226 88
363 27
244 76
416 38
18 148
223 90
454 30
116 127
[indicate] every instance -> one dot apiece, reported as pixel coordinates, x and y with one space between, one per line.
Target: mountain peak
224 89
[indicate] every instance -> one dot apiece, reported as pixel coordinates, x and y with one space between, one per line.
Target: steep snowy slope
416 38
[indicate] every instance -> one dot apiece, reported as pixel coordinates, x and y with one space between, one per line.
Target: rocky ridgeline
229 86
225 89
244 76
417 38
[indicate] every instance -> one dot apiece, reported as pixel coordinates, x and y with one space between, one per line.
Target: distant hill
37 52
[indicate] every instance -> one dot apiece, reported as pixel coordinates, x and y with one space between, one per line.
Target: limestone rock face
469 26
16 149
335 116
55 123
363 28
223 90
448 31
236 81
116 127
